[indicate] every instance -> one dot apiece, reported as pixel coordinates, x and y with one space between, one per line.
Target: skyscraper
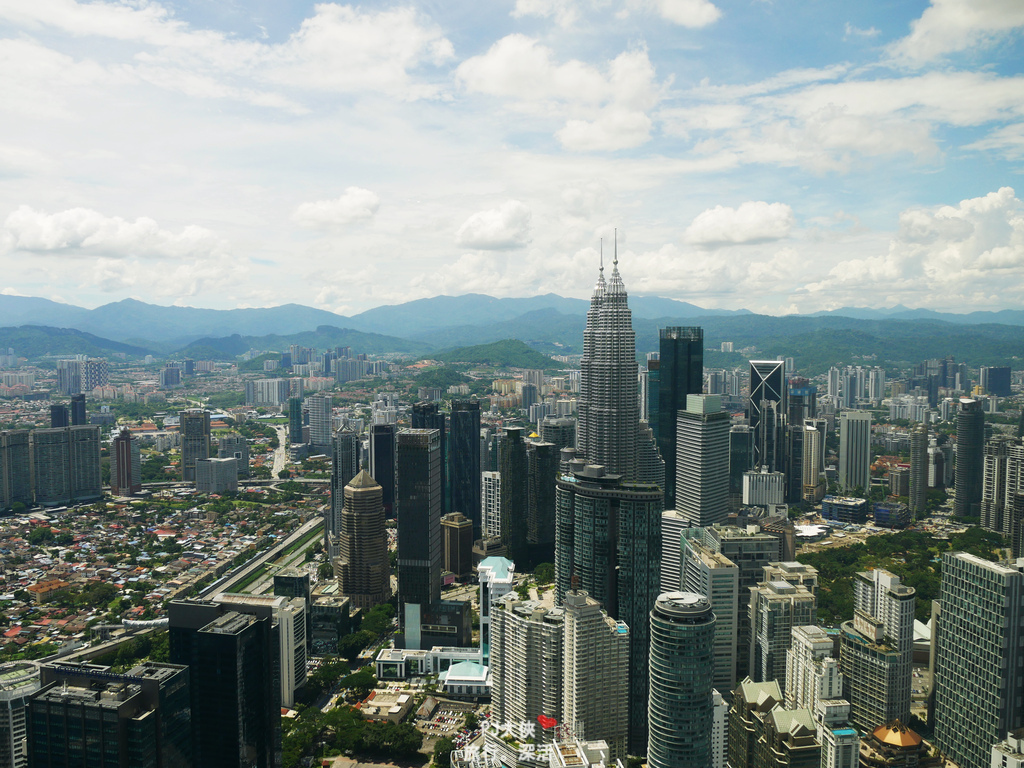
428 415
515 493
712 574
15 468
775 608
918 469
766 412
18 681
812 673
195 441
979 662
702 460
418 508
66 464
681 704
970 446
234 670
344 466
855 450
382 463
542 464
295 420
363 567
464 460
608 541
320 408
78 415
741 460
595 653
59 416
877 649
680 374
1003 479
126 465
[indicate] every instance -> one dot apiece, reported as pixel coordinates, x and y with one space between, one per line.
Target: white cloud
953 257
355 205
851 31
496 229
565 12
1009 140
85 230
752 222
951 26
688 13
605 110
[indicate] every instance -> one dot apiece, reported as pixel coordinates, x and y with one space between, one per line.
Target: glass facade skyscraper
464 460
680 373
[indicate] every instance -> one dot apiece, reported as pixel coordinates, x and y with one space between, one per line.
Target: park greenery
342 730
914 556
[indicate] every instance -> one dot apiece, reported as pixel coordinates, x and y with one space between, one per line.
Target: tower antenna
602 254
615 262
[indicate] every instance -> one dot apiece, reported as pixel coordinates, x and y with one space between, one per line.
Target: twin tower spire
615 286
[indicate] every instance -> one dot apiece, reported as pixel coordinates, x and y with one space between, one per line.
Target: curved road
281 453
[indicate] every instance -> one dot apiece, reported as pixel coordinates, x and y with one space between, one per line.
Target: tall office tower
608 541
876 384
235 674
15 468
515 492
344 466
855 450
195 441
1002 480
979 656
918 469
995 380
363 567
702 460
795 434
490 494
681 704
877 648
69 377
295 420
542 463
970 447
812 674
457 544
609 415
418 465
84 714
802 401
653 392
126 465
289 623
681 374
672 526
750 549
812 463
18 681
595 654
321 430
216 475
464 460
426 415
650 467
527 643
527 396
833 384
234 446
382 463
710 573
775 608
741 460
766 412
60 416
559 430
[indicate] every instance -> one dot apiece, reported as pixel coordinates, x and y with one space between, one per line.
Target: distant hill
507 353
324 337
35 341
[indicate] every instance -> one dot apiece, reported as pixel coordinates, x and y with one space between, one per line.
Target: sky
775 155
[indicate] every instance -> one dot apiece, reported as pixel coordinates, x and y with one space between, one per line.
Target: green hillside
34 341
507 353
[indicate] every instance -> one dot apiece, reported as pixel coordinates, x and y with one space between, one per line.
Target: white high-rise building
18 681
855 450
712 574
812 674
719 730
775 608
490 499
595 689
497 576
702 461
320 431
876 656
672 526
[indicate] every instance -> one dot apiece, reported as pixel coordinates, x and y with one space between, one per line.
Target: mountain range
550 324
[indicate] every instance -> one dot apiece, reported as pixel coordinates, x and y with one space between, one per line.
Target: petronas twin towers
610 431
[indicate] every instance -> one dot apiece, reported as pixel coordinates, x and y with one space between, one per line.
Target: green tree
443 752
544 573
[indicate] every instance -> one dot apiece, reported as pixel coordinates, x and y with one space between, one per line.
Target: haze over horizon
774 156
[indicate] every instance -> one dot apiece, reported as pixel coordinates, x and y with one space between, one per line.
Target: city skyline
776 157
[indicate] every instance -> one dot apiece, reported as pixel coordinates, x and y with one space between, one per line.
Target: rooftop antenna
615 262
602 254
